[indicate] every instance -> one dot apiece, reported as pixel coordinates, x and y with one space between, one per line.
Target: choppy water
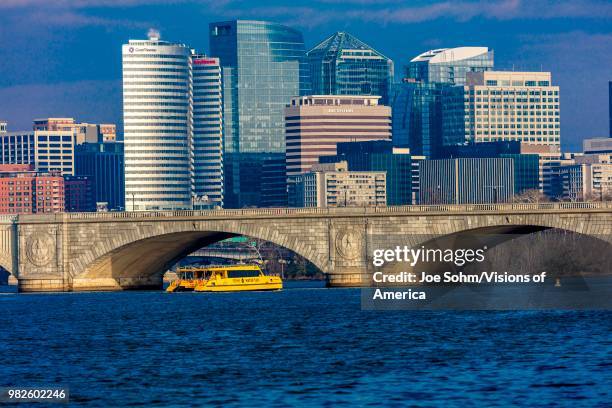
302 346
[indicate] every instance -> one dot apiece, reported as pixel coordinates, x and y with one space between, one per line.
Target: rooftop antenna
153 34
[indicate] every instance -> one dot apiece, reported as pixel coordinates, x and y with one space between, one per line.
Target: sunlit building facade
503 105
158 124
450 65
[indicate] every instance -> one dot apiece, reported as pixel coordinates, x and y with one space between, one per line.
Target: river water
306 346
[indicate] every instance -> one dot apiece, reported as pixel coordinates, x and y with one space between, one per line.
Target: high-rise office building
158 124
450 65
315 124
344 65
103 163
496 105
263 66
46 150
417 116
207 131
466 181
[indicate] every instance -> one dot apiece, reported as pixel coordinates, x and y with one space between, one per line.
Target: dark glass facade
417 117
466 181
263 66
379 155
344 65
103 163
526 166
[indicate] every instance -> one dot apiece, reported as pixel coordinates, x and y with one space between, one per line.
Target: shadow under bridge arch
141 264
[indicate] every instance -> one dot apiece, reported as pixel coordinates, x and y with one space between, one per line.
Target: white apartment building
332 185
587 181
501 105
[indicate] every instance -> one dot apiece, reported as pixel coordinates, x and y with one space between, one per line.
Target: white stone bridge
132 250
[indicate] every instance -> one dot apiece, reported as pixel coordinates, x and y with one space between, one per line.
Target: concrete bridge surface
132 250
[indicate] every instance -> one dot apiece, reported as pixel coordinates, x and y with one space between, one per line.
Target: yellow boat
187 279
227 278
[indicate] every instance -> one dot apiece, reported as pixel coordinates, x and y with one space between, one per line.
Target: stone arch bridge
132 250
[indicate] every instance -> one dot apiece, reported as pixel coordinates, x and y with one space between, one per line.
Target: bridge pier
88 284
42 285
351 278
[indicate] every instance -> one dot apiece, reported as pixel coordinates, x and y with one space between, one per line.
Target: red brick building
23 191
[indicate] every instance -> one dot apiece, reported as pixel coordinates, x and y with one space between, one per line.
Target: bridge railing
437 208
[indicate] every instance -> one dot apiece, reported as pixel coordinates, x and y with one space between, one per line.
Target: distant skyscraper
157 116
450 65
343 65
207 131
315 124
264 66
500 105
417 116
3 125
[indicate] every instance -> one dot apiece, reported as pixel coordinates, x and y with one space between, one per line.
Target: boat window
243 274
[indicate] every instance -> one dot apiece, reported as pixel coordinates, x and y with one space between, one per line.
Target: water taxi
186 280
224 278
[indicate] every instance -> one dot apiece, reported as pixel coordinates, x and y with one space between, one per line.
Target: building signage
205 61
335 110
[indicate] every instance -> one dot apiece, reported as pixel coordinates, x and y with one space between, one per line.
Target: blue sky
63 57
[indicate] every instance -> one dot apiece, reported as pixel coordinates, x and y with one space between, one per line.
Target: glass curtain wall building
264 66
450 65
417 117
344 65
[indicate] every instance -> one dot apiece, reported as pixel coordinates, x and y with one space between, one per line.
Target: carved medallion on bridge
349 243
40 249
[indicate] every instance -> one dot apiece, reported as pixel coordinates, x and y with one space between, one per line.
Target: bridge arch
493 234
134 260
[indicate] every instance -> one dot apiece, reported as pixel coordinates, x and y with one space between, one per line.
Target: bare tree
531 196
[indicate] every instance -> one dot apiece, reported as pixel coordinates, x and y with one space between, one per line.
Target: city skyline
78 82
